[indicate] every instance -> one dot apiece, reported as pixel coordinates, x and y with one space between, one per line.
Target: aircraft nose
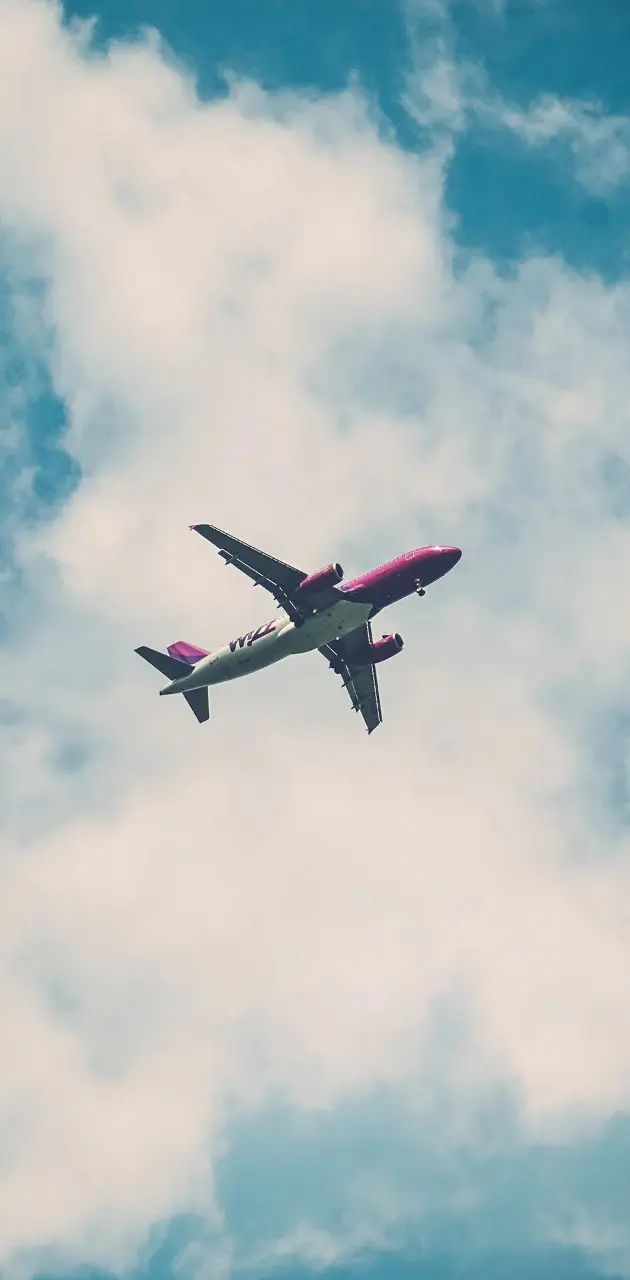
451 556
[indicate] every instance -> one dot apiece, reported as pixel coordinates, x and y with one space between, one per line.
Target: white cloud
451 93
599 143
256 322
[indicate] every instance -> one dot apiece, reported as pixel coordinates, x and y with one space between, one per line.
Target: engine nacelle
328 577
386 647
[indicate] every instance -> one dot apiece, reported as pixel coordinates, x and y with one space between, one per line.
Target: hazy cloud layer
254 315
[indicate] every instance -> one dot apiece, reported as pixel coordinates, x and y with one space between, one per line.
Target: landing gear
298 620
419 588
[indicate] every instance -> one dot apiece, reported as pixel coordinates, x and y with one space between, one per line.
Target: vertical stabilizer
185 652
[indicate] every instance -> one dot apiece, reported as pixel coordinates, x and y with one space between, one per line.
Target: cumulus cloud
253 316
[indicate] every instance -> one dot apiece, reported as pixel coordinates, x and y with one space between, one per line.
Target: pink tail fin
185 652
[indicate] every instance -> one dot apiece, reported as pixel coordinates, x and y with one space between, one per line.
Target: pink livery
315 612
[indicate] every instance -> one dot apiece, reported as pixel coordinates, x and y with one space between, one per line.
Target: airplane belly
247 654
274 641
328 625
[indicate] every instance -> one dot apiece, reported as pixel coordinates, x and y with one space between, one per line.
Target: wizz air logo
251 636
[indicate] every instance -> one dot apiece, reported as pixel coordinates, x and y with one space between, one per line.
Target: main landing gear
297 619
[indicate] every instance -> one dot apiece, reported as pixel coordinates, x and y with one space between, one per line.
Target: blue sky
503 197
359 282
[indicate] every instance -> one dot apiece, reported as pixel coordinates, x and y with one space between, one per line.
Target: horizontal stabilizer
172 668
199 704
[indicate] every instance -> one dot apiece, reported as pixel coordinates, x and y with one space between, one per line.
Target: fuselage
358 600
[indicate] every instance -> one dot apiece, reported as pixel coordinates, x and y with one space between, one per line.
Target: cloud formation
254 314
453 94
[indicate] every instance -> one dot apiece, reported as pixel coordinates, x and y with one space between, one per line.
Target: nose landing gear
419 588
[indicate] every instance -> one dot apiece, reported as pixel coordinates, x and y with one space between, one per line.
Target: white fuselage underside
272 642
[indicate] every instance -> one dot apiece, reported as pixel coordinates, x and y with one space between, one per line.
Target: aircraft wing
360 681
280 579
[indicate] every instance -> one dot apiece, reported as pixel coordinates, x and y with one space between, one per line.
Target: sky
280 1000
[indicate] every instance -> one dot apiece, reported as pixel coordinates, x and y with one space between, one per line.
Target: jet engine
328 577
386 647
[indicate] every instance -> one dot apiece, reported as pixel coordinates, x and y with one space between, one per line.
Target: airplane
317 611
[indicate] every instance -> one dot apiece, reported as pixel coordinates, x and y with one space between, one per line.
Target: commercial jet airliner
317 611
